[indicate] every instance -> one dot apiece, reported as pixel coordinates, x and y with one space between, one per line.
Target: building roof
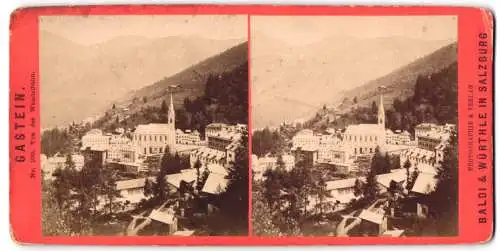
215 184
305 132
162 216
187 175
153 128
425 183
215 125
128 184
94 148
94 132
426 168
306 148
218 169
393 233
343 183
371 217
184 233
364 129
398 175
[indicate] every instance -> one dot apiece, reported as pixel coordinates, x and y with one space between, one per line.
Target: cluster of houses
131 150
344 150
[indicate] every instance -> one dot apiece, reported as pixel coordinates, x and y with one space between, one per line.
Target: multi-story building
397 137
153 139
222 146
121 149
95 139
215 128
189 137
431 140
50 164
222 140
305 137
308 155
364 138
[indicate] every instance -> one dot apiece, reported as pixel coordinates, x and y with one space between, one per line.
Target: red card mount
251 125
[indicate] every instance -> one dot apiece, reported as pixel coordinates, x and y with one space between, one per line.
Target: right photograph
354 126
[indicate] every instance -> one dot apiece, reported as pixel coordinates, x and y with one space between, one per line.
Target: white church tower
171 113
381 110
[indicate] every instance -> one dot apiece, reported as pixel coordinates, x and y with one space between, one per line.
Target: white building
152 139
431 141
364 138
49 165
305 137
397 137
222 146
189 137
95 139
121 149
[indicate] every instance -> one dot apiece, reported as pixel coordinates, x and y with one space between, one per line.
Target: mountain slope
400 83
315 74
78 81
143 105
191 81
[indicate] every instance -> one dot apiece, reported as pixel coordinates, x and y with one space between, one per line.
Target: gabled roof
128 184
187 175
343 183
215 184
153 128
218 169
364 129
371 217
425 183
184 233
393 233
398 176
162 216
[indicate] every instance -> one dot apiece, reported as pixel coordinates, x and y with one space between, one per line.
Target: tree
380 164
107 188
386 167
374 108
234 200
148 188
161 190
322 193
55 221
370 189
444 199
280 164
407 166
114 107
197 166
272 188
164 107
262 218
355 100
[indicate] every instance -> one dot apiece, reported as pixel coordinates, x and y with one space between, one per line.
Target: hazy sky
99 28
309 29
300 63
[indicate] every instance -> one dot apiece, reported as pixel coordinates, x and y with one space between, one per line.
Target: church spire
171 111
381 110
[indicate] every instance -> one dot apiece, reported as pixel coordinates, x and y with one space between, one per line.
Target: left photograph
144 125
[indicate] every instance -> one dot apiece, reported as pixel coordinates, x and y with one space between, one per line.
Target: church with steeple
155 138
362 139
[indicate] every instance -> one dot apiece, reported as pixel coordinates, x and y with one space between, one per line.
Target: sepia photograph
354 126
144 125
